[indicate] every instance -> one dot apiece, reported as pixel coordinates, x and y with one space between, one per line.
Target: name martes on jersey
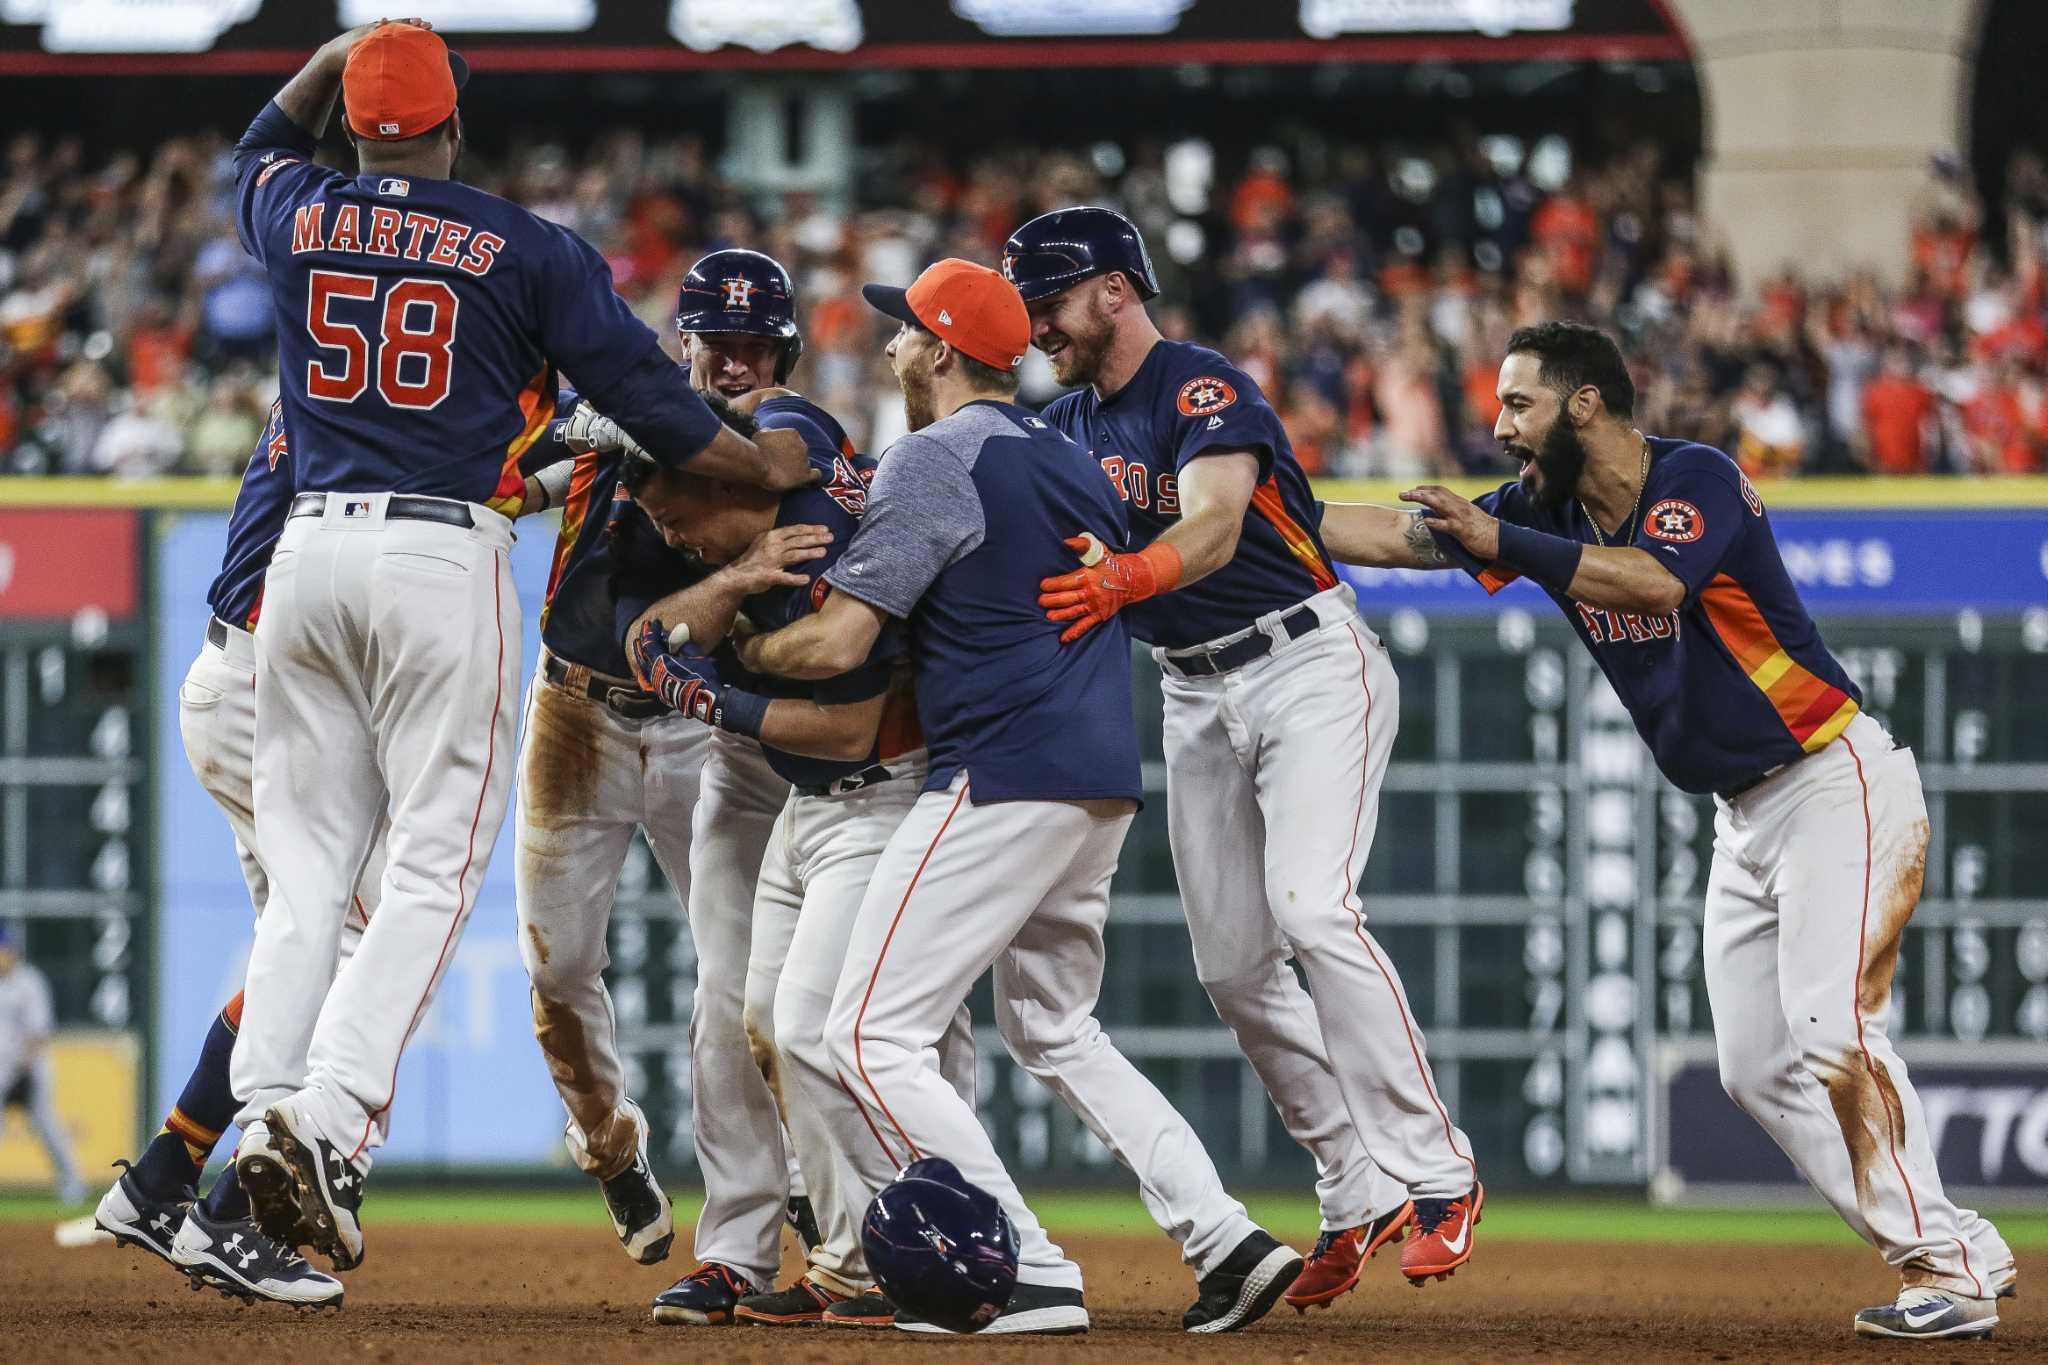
312 232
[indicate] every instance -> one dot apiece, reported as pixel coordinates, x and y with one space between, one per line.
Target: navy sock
227 1200
206 1106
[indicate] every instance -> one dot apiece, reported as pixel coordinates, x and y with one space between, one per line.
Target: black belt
1730 793
216 632
1238 653
852 782
402 507
622 695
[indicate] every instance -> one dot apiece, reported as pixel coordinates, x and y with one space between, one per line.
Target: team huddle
873 719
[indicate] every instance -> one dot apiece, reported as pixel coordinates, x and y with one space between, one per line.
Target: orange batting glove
1092 594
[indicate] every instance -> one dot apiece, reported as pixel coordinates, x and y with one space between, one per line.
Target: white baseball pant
386 680
820 861
1023 887
589 777
1816 872
217 721
739 1132
1273 774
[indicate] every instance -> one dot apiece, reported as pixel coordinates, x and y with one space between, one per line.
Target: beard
919 409
1555 466
1077 357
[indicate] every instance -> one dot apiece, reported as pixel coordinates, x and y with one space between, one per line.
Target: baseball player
1281 707
153 1204
851 748
1660 554
602 758
420 326
26 1022
1006 856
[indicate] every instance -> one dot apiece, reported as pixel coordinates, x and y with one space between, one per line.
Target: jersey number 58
414 347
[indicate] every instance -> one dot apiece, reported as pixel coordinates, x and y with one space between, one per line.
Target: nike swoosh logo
1465 1235
1918 1320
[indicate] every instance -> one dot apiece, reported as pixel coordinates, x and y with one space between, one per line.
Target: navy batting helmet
1057 250
940 1247
742 291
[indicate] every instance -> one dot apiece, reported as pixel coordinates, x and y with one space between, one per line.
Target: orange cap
399 82
970 307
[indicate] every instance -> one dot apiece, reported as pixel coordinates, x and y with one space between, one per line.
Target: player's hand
688 683
766 563
1457 518
789 459
1085 598
754 398
587 429
337 48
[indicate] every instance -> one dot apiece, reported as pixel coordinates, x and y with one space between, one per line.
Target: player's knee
1041 1042
799 1034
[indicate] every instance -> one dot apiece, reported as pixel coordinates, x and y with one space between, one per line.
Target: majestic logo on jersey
1675 519
1200 397
1749 495
272 168
739 296
394 185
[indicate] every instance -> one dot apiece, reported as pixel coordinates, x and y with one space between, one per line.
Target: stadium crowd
1369 289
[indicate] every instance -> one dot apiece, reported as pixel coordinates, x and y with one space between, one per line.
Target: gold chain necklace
1642 482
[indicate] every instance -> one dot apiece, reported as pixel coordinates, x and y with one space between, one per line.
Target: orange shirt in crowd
1261 198
1895 412
1481 380
1569 235
2005 441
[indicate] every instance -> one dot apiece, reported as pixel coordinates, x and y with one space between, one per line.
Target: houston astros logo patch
1675 519
1200 397
739 296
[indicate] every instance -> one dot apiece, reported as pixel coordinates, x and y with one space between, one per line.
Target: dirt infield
566 1294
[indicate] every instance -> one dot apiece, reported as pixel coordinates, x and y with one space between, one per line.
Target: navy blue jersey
261 505
421 323
1186 401
578 617
1737 681
964 519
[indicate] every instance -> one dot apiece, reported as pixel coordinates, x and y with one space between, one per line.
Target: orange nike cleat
1443 1236
1333 1267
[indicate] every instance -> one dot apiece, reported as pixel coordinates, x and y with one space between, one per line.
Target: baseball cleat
330 1186
136 1219
234 1256
803 1221
1333 1267
1923 1314
871 1309
1034 1309
803 1303
1443 1236
703 1298
639 1209
272 1188
1245 1287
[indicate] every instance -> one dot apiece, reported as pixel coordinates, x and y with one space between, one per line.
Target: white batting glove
589 430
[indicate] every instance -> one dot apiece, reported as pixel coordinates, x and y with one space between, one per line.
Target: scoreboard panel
75 817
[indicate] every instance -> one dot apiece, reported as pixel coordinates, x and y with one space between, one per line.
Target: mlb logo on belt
356 509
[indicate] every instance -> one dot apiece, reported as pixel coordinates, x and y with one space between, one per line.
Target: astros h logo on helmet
739 296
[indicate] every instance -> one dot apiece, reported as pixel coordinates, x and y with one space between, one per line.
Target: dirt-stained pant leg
739 1133
584 787
1838 846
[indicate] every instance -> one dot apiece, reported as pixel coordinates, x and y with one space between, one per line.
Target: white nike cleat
1920 1313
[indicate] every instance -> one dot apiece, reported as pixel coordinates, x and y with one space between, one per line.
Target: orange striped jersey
1187 401
1737 681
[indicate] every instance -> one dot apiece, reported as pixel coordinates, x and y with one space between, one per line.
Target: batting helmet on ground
940 1247
1058 250
742 291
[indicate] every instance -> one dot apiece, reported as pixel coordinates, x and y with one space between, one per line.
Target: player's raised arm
308 98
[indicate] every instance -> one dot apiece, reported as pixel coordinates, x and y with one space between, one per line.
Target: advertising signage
244 36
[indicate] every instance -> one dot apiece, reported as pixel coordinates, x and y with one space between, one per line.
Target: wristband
742 712
1550 561
1166 565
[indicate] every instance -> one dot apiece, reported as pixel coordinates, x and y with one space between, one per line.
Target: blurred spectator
1367 286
